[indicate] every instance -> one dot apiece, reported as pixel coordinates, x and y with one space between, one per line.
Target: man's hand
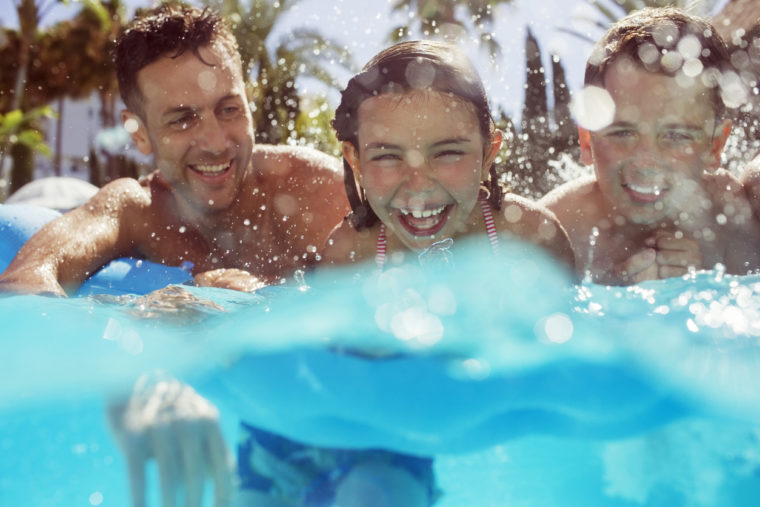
667 254
36 280
171 423
235 279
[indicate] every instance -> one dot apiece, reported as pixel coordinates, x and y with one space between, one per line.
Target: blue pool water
528 389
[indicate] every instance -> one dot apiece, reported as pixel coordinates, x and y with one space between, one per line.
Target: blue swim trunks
307 475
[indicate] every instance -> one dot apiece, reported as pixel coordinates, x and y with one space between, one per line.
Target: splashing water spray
438 254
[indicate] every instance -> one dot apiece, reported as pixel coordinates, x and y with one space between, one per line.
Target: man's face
649 161
197 125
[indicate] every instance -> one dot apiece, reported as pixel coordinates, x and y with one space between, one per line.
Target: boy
657 205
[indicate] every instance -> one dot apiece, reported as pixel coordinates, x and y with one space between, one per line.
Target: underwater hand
170 422
229 278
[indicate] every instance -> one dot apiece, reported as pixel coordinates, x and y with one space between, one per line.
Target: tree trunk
58 139
23 166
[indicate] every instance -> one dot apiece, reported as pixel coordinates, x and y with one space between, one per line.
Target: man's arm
60 257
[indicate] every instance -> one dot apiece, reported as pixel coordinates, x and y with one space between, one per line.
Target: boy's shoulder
573 198
578 188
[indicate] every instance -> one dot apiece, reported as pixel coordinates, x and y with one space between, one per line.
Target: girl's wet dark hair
403 67
169 29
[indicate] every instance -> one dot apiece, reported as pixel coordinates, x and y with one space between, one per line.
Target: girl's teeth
418 213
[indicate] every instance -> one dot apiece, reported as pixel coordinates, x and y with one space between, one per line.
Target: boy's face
197 125
649 161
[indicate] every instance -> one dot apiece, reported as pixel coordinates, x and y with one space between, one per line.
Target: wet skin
658 203
216 199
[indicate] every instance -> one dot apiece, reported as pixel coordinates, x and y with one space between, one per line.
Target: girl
419 146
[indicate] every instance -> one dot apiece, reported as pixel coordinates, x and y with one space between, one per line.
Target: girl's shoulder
347 245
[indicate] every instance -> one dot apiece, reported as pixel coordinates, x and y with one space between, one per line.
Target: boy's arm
539 225
750 178
59 257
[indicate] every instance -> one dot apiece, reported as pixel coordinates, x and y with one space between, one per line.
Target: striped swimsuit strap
485 207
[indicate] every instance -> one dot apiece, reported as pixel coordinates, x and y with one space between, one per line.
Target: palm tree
273 89
28 50
434 15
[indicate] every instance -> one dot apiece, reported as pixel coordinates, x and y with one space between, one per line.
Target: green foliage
312 126
273 72
436 18
18 127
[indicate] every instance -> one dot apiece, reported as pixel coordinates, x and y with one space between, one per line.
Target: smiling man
244 215
658 203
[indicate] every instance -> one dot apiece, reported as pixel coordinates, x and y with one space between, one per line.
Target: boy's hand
676 254
667 254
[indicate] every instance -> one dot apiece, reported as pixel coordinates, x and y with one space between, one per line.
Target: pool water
528 389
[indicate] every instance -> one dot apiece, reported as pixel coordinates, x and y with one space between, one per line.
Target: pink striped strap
493 237
382 244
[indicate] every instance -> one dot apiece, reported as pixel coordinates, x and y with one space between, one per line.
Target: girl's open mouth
427 222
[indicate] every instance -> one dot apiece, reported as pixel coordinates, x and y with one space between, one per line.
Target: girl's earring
485 192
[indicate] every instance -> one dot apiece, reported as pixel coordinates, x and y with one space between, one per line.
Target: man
244 215
657 205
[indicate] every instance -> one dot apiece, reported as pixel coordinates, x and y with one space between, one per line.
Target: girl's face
420 161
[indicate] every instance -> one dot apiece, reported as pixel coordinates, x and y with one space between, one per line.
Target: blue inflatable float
18 222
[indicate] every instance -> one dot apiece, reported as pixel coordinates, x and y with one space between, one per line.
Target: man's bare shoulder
295 161
120 195
347 245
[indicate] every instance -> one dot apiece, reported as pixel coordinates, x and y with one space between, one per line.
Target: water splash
587 276
438 254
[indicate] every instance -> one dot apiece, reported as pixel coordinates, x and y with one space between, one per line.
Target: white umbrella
60 193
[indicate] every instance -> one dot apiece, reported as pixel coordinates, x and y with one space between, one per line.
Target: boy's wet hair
653 38
404 67
171 29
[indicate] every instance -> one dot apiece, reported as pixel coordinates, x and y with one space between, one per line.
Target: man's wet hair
168 30
653 38
404 67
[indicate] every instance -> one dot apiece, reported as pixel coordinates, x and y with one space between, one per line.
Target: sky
363 26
